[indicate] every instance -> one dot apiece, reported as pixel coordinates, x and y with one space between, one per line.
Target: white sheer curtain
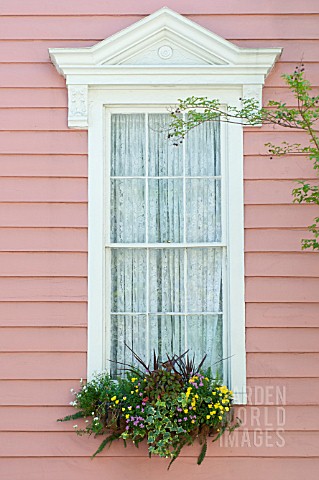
165 297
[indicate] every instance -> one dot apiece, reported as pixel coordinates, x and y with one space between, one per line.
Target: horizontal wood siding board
64 190
43 339
102 26
282 340
37 392
43 240
37 142
265 391
284 289
275 240
43 289
65 444
283 365
279 216
43 215
63 166
282 315
78 468
34 97
42 366
43 314
301 264
280 168
128 7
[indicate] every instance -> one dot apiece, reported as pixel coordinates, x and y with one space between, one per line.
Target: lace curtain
165 202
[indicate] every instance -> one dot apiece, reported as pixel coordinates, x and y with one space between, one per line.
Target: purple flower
185 419
179 420
127 428
137 406
142 409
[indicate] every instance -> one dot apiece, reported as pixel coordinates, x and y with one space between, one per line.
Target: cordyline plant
304 116
169 405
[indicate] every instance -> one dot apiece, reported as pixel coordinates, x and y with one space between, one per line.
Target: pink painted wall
43 252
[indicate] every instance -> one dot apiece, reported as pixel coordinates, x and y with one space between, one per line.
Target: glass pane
166 214
130 330
167 335
164 158
128 277
166 283
203 210
204 279
128 211
203 150
205 336
128 144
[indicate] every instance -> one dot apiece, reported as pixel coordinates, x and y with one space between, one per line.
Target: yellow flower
116 401
193 421
210 406
133 379
220 418
129 408
186 410
123 409
127 416
227 409
214 412
213 393
208 417
196 396
113 398
124 398
132 391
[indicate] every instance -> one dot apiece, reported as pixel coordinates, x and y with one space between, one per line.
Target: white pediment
164 48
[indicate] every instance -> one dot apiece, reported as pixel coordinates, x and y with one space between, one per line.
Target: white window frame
232 214
153 63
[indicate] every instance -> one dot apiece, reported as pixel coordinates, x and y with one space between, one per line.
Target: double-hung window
165 224
165 249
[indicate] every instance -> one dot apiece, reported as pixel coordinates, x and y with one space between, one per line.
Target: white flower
86 421
75 426
81 381
95 419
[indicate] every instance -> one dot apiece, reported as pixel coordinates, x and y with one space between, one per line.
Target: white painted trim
131 57
116 72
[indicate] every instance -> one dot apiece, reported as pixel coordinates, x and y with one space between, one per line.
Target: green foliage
166 406
193 111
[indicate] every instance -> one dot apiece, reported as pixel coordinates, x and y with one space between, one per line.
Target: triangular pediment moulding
163 49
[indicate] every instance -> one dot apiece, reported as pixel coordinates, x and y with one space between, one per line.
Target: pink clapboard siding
43 252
